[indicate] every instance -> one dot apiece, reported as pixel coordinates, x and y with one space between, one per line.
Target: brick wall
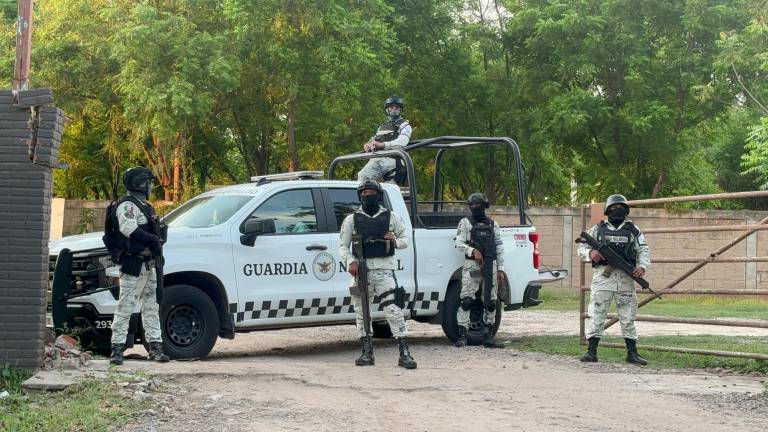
25 194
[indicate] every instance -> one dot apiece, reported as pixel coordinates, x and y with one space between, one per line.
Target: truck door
286 276
339 203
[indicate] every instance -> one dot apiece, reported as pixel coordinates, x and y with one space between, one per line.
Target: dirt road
305 380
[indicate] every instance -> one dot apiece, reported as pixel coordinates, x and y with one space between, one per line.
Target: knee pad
492 307
466 303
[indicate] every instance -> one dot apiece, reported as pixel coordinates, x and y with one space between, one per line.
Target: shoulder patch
130 212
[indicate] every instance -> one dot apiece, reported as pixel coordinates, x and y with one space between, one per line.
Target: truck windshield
206 211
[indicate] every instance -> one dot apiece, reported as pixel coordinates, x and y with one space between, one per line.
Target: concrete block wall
25 195
555 234
559 226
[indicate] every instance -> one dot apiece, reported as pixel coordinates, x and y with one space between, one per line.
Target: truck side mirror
254 228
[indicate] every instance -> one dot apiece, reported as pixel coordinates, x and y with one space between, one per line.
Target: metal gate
595 211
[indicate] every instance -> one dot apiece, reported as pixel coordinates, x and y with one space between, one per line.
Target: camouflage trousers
137 290
626 309
379 282
375 169
470 283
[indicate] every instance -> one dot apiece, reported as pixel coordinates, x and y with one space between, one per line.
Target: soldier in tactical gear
138 222
382 232
471 276
392 134
623 236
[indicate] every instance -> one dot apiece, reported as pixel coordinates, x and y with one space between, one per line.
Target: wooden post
23 45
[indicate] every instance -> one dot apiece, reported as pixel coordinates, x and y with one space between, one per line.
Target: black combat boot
632 356
156 352
116 358
366 358
462 340
489 341
406 360
591 355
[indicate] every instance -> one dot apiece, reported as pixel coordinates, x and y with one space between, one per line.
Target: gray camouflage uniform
380 276
470 272
608 283
376 168
136 290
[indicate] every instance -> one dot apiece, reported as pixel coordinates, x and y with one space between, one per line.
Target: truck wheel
189 322
450 325
381 330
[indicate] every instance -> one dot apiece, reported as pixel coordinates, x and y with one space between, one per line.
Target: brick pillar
25 203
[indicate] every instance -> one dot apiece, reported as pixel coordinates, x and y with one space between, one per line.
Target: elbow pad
143 237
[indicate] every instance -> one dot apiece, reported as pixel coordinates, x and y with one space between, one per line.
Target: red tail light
534 238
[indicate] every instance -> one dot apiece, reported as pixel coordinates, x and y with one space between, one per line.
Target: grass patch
91 405
11 379
675 306
569 346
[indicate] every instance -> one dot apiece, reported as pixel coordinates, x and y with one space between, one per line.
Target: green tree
619 83
173 72
310 67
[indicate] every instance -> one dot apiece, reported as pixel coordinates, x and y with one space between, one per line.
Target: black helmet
616 199
480 198
394 100
137 179
369 184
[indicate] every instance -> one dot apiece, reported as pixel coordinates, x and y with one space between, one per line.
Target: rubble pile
65 353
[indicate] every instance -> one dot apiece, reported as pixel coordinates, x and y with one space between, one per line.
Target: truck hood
81 242
76 242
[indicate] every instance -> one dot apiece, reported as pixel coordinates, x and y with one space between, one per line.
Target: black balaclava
370 203
478 211
616 215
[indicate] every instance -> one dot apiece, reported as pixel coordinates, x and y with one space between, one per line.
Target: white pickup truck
264 255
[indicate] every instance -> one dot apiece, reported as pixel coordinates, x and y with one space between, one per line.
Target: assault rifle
162 230
483 240
362 281
614 260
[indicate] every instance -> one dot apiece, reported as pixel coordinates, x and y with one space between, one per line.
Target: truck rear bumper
550 275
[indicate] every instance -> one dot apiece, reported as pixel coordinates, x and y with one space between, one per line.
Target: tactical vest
621 241
482 238
133 260
390 130
372 231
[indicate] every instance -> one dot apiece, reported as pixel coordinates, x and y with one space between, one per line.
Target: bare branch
738 78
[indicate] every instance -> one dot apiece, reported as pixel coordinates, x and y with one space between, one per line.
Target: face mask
370 203
394 112
617 215
478 212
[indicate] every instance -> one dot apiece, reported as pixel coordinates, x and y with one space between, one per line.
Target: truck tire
189 322
381 330
451 306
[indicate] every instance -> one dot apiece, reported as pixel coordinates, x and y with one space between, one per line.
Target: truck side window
345 201
293 212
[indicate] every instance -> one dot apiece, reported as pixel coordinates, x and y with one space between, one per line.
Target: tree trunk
262 152
177 170
292 150
660 182
159 165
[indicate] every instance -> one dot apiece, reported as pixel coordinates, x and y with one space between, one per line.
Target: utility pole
23 46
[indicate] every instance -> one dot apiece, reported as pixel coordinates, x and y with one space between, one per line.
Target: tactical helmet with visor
393 106
478 199
616 200
139 180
